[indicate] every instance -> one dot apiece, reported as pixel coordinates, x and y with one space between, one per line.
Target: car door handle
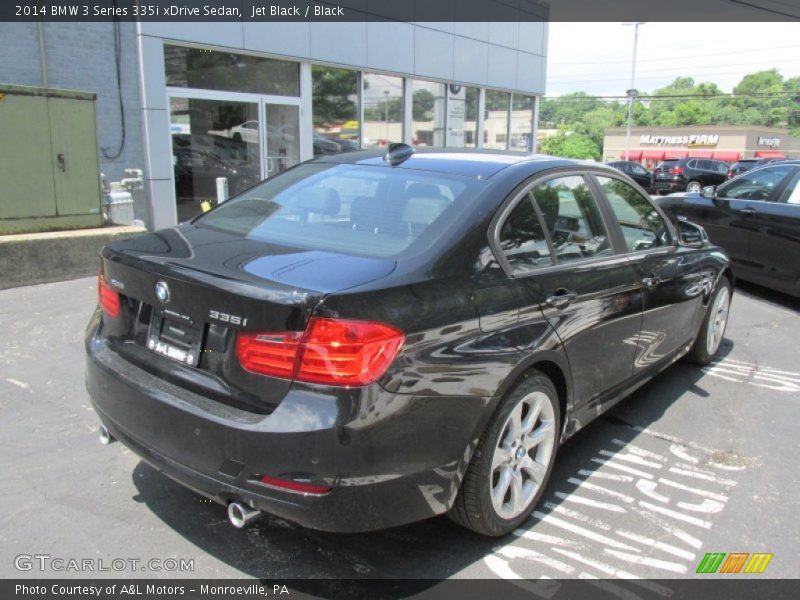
561 298
748 211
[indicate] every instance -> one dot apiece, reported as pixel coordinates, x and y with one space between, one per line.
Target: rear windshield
667 164
353 209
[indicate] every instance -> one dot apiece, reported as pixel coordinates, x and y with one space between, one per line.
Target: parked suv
635 171
689 175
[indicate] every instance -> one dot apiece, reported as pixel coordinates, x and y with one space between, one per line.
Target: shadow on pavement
433 549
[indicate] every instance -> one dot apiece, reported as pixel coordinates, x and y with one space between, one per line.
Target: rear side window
522 238
572 218
642 227
352 209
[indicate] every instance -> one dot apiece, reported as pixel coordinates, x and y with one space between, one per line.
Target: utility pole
632 93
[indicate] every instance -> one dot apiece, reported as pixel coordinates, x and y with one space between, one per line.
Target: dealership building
191 102
650 145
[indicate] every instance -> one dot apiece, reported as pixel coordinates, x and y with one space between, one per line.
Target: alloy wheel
717 320
522 455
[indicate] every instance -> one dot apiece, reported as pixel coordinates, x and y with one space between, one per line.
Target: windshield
352 209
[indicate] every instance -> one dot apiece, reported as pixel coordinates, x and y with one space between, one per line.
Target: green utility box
49 176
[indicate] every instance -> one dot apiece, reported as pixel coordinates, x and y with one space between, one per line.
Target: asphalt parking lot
700 460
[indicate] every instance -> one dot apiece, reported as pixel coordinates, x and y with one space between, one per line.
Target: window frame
619 248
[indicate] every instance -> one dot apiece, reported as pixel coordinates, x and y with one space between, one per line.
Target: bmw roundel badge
162 292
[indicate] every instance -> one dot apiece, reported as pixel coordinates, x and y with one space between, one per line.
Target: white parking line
648 488
663 546
675 515
597 537
631 458
699 492
640 451
665 565
707 506
576 499
582 483
604 475
623 468
543 538
578 516
690 471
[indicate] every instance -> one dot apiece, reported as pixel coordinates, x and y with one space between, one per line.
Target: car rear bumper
669 185
389 459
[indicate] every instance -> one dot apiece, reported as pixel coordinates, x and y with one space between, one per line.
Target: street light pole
632 92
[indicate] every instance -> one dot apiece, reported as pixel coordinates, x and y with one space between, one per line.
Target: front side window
572 218
348 209
642 227
754 185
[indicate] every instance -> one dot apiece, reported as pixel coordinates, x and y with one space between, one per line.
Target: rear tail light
330 351
676 170
269 353
108 298
295 486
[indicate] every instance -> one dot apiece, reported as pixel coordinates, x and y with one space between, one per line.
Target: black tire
699 354
473 508
237 137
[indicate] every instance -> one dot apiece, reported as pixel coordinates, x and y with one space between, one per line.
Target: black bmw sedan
366 340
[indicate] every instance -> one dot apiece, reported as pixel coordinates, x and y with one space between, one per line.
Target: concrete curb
32 258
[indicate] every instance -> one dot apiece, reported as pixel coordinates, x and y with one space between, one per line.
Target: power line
791 62
765 9
673 58
672 96
653 77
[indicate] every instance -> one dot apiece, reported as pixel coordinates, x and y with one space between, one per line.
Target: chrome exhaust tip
240 515
105 436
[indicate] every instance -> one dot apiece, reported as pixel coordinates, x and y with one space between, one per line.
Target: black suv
635 171
689 175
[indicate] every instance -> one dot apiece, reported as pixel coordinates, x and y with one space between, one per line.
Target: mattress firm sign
704 139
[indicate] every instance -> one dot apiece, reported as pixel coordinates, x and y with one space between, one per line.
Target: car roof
481 164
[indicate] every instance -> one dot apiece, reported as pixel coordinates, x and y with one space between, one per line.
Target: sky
596 57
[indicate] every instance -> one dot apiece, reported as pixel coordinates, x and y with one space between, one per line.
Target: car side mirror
691 235
710 191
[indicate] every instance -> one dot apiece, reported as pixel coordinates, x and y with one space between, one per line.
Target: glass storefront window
213 70
428 113
495 132
335 110
471 117
521 123
210 139
383 109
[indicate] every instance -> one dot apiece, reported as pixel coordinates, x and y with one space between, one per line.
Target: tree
571 145
334 90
